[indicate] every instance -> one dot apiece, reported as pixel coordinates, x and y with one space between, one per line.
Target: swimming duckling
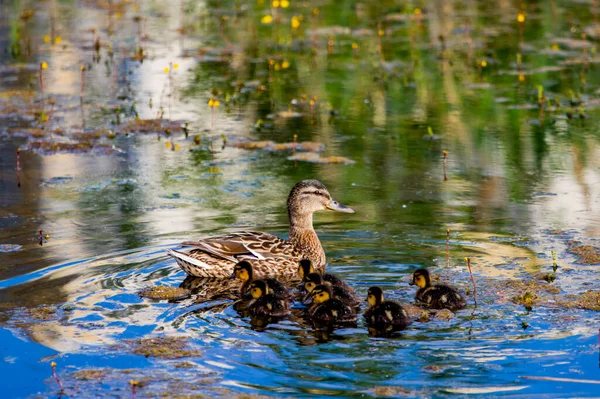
436 296
243 271
264 304
384 317
306 267
344 294
328 310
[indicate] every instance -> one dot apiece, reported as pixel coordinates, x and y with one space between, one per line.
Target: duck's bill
333 205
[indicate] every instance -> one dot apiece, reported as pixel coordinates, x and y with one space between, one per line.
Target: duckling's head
258 288
312 280
242 271
421 278
374 296
321 293
309 196
305 267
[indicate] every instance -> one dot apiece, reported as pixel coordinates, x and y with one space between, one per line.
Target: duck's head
305 267
321 293
242 271
312 280
421 278
258 288
374 296
309 196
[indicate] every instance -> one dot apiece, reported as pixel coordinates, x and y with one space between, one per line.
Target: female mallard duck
344 293
270 256
436 296
384 317
306 267
264 304
243 271
328 310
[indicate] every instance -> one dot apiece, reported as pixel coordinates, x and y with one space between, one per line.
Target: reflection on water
388 86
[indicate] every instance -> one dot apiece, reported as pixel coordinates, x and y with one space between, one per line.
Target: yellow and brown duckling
264 304
384 317
327 310
436 296
342 292
243 271
306 267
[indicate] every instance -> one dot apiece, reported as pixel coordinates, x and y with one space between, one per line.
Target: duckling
344 294
436 296
328 310
384 317
306 267
243 271
264 304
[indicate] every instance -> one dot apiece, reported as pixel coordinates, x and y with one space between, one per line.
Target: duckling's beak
336 206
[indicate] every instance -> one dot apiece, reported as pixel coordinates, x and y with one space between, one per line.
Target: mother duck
269 255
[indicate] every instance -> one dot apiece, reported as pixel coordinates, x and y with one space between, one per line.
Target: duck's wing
245 244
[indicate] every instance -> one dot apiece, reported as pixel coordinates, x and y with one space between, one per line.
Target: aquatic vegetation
589 300
527 299
43 313
164 292
588 254
55 376
164 347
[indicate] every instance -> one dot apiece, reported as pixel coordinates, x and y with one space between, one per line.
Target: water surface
387 86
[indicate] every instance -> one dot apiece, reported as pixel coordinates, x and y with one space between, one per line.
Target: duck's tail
199 264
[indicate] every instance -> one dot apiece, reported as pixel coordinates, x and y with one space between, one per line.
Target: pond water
103 168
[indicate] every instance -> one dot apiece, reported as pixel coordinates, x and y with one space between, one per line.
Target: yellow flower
168 144
47 236
275 3
555 47
166 69
418 11
444 152
43 65
483 63
53 364
380 32
57 40
295 22
119 15
285 64
277 67
267 19
213 103
82 67
177 147
133 382
47 39
355 46
521 17
521 77
315 11
285 3
175 66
